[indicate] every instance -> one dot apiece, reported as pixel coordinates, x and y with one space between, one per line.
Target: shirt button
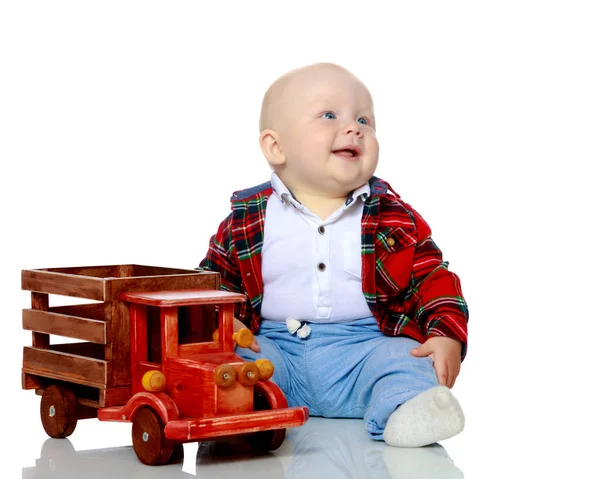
391 242
322 267
321 230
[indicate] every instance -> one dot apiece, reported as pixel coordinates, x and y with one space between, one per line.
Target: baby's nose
353 129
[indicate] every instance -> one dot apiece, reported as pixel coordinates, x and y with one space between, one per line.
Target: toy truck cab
187 383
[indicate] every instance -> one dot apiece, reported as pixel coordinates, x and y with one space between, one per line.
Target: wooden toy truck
156 348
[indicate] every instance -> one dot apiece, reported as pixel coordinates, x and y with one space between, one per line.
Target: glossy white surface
322 448
126 126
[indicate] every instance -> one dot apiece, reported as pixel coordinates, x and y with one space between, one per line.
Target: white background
125 126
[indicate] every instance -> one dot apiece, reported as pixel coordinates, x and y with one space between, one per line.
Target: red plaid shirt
406 284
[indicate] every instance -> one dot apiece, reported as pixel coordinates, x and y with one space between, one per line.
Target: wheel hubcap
52 411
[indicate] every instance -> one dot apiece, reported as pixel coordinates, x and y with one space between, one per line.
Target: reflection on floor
322 448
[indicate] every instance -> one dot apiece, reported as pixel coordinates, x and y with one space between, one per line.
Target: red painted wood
190 350
141 311
139 343
170 333
197 429
226 326
272 393
183 298
160 402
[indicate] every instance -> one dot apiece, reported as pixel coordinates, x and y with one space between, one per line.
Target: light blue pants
347 370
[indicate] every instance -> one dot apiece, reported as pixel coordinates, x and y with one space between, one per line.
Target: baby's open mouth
346 152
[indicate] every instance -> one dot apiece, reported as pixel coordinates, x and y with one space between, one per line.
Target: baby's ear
269 144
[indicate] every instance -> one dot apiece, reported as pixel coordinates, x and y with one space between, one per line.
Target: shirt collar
285 195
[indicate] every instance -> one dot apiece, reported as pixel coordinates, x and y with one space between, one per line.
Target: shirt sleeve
221 258
439 306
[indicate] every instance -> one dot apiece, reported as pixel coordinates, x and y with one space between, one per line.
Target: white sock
430 417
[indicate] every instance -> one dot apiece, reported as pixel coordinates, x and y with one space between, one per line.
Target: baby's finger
441 371
422 351
454 374
451 379
254 346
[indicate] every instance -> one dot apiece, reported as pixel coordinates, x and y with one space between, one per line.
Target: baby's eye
362 120
329 116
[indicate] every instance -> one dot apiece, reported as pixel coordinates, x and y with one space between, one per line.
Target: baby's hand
445 353
237 325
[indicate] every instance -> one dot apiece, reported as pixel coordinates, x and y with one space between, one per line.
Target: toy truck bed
98 366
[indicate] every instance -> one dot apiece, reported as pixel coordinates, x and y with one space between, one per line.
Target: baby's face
327 134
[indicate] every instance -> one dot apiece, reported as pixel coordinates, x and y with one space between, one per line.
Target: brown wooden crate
163 283
114 396
64 284
92 396
117 349
29 381
64 366
124 271
98 311
63 325
87 409
39 301
109 271
87 349
143 270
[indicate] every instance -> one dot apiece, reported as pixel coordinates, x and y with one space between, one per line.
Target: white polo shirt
311 268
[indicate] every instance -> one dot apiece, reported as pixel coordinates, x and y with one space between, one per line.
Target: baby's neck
322 207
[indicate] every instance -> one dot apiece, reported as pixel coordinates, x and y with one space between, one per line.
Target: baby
348 295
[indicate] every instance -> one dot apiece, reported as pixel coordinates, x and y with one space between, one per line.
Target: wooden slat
63 325
138 330
124 271
162 283
117 349
105 397
40 302
170 334
64 284
99 311
29 381
226 322
64 366
108 271
143 270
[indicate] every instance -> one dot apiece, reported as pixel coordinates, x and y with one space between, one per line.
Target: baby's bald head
308 116
280 96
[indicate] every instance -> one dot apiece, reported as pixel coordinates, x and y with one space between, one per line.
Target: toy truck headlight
153 381
225 375
265 368
249 374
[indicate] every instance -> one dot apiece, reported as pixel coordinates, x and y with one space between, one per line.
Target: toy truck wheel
265 441
58 411
148 436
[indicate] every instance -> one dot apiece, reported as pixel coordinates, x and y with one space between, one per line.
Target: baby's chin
341 186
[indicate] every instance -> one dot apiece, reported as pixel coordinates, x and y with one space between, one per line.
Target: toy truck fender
161 403
272 393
